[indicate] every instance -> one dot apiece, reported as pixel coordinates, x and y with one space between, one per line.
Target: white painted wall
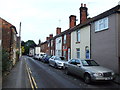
37 50
58 47
84 41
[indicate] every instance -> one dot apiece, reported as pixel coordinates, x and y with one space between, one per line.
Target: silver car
57 62
89 70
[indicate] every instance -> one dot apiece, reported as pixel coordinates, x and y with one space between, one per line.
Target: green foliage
6 63
27 45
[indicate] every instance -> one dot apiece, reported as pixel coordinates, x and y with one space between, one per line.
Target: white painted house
80 43
58 47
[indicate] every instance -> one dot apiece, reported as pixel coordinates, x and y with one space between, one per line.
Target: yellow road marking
30 78
34 82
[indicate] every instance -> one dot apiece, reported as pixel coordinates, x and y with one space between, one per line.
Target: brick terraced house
9 39
95 38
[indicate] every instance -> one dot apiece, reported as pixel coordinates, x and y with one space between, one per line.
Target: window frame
77 53
102 24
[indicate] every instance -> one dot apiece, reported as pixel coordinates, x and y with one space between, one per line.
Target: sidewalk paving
18 77
117 79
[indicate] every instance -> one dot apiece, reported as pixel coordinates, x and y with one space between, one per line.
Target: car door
53 61
78 68
71 66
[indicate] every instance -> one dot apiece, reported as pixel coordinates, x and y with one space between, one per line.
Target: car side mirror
78 65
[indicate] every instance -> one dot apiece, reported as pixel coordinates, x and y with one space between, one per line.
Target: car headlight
97 74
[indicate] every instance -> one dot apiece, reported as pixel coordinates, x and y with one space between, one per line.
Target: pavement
117 79
17 78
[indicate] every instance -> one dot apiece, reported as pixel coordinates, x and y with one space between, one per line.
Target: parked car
89 70
41 56
36 56
46 58
57 62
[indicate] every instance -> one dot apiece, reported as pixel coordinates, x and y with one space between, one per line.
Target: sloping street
45 76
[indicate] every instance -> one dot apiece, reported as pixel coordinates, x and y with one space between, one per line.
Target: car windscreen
57 58
89 63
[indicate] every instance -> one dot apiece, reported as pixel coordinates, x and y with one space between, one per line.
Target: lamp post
20 41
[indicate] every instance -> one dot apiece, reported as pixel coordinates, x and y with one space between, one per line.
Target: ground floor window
78 53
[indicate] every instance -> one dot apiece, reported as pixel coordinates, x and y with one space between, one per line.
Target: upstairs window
78 36
101 24
64 39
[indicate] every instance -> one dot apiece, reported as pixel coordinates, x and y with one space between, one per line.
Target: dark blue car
46 58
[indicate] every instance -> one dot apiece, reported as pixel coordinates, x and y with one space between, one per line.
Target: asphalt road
44 76
48 77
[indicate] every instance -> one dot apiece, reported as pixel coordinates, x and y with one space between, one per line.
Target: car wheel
55 65
66 71
87 79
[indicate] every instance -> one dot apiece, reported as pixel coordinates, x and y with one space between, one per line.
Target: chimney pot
81 4
72 21
84 5
58 30
51 36
47 38
83 13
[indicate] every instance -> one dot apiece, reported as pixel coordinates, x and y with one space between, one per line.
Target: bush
6 62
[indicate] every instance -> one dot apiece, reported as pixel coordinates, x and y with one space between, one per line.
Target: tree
27 45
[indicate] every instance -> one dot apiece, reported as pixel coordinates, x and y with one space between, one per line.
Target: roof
113 10
12 26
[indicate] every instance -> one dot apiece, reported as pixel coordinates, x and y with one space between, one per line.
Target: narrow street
45 76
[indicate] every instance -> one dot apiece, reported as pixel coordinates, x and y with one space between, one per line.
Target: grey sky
41 17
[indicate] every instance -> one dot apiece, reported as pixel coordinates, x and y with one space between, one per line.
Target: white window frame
101 24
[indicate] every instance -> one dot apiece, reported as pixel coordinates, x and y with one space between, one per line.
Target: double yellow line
31 78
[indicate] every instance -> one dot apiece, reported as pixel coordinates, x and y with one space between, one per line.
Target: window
64 39
59 41
0 42
78 53
87 53
72 61
78 36
101 24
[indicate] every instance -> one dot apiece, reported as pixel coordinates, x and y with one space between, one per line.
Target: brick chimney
72 21
58 30
51 36
47 38
83 13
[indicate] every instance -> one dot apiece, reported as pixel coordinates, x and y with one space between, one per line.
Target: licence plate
109 78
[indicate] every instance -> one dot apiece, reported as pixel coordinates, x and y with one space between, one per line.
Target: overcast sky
41 17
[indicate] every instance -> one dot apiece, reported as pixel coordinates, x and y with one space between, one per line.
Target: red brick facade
9 39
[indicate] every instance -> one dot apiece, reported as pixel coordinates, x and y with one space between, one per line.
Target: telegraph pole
20 40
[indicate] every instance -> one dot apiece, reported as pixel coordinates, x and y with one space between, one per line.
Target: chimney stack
58 30
83 13
47 38
51 36
72 21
